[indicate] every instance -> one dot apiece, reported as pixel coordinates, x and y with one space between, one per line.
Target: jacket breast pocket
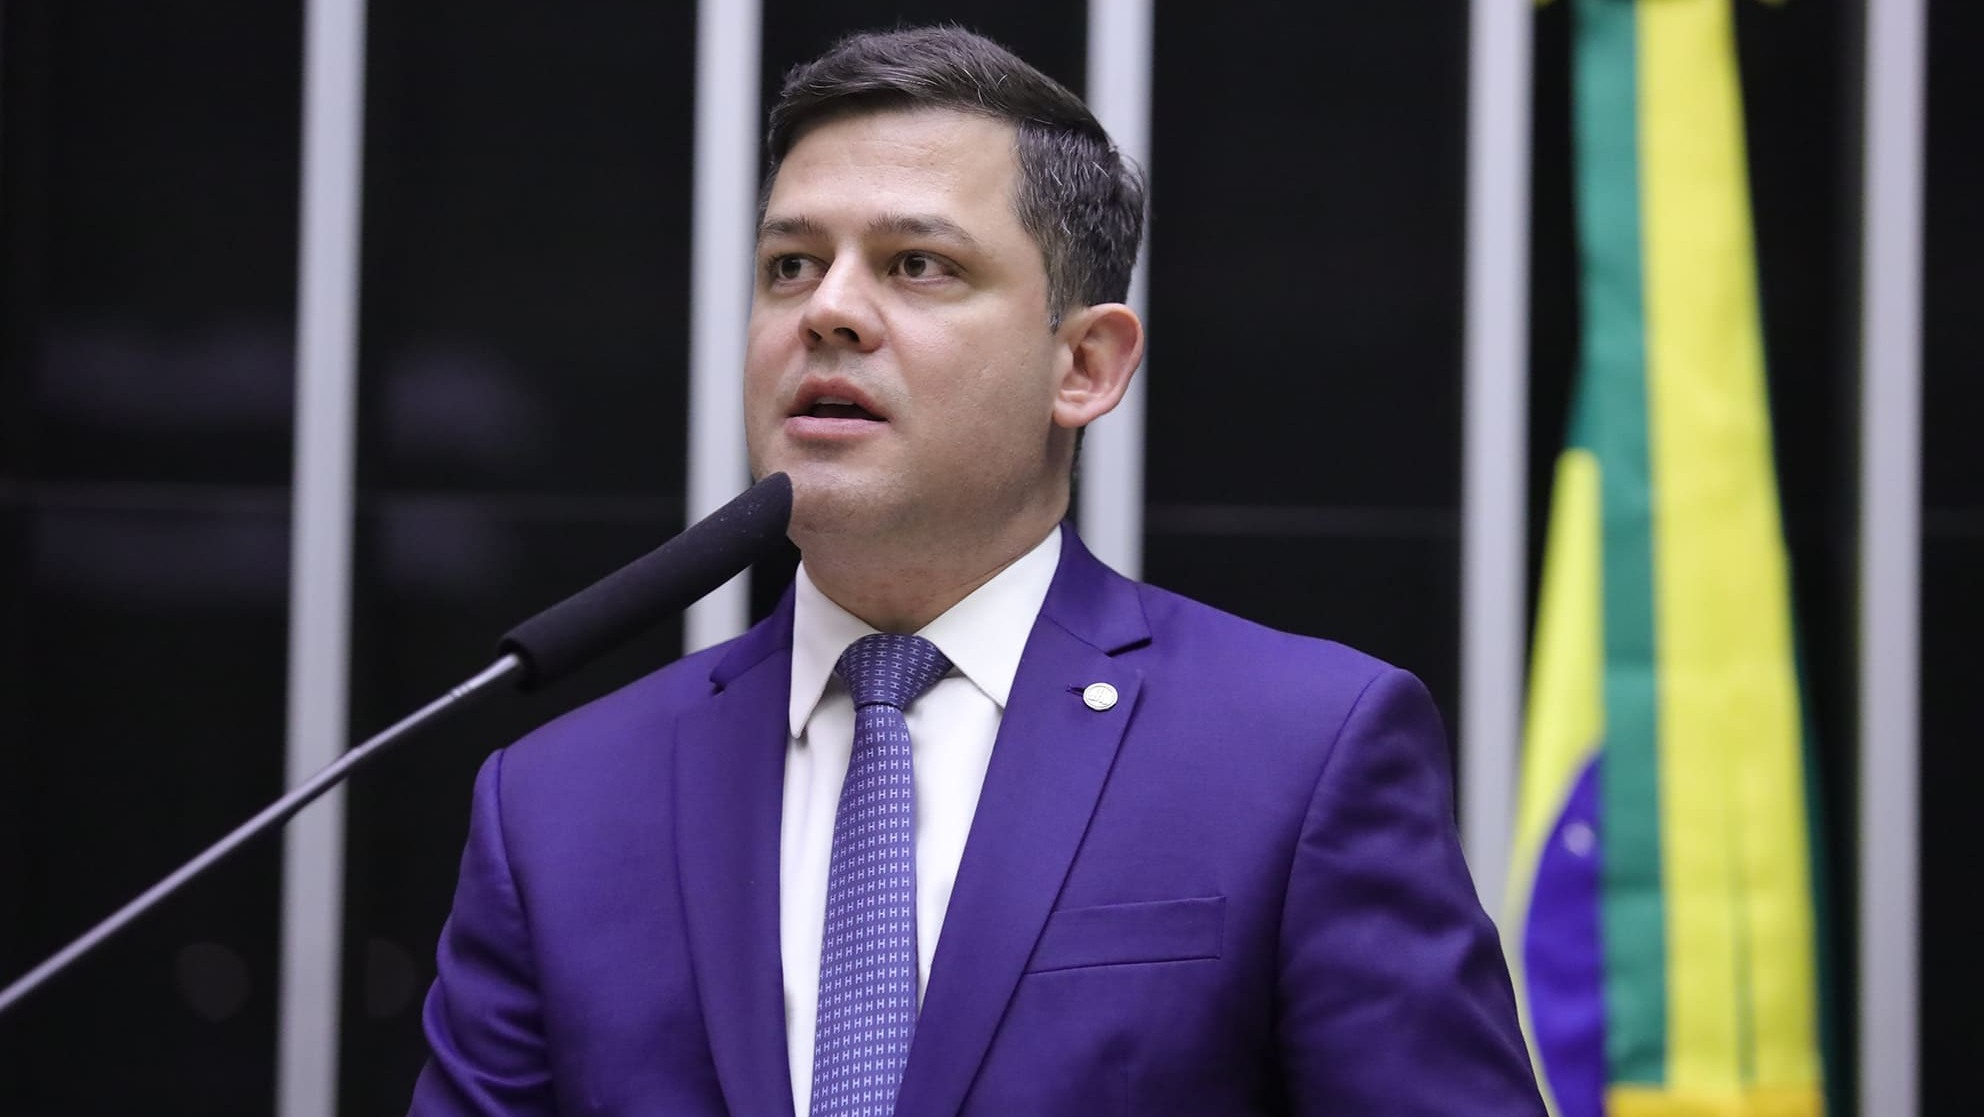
1129 934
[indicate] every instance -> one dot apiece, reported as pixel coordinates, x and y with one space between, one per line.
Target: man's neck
903 589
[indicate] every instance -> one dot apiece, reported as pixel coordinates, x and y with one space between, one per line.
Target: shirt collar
982 636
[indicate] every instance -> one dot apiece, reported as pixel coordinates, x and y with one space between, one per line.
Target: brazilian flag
1664 939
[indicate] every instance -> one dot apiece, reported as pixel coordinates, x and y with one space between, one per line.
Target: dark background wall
147 282
522 419
1305 303
523 425
1952 555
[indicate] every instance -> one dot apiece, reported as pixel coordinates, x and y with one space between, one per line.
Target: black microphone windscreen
664 581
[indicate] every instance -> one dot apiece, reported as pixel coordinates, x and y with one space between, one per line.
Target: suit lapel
1048 767
730 764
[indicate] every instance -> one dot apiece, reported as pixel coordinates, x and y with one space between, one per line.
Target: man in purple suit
971 824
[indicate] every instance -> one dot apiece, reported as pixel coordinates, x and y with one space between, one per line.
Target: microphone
663 581
548 646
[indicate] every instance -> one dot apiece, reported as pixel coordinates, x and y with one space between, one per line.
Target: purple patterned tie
868 951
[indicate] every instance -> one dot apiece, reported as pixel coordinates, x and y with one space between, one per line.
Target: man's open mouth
832 407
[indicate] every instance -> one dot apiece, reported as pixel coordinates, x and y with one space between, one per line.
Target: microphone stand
275 814
545 647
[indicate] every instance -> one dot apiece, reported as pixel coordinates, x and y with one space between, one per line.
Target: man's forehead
897 118
907 172
925 144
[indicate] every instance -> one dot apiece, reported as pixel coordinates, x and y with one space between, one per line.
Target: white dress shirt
951 729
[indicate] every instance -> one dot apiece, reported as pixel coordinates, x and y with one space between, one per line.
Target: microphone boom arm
271 816
549 645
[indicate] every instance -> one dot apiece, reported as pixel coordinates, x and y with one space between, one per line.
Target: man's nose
841 311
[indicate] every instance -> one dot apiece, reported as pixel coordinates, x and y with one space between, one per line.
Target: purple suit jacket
1237 891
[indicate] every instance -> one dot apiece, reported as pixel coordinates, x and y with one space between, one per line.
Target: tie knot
890 670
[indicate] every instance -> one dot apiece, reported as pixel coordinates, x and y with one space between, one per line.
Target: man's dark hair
1079 199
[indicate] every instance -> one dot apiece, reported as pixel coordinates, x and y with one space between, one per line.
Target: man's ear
1104 343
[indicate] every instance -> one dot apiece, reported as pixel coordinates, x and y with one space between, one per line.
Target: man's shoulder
1277 703
1190 630
1221 665
1184 632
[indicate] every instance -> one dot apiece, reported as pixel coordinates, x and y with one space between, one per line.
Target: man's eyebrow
794 227
922 225
897 224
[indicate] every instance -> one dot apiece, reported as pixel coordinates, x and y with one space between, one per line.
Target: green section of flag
1610 421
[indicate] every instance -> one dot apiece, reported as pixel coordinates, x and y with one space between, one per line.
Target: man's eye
919 265
788 267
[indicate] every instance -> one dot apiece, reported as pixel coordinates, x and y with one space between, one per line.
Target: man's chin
836 502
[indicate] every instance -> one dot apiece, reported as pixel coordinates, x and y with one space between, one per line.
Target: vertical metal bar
1495 434
1890 557
1112 467
725 210
320 549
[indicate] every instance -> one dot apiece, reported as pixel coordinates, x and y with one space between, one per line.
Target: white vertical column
722 246
1112 466
1890 557
320 550
1495 434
